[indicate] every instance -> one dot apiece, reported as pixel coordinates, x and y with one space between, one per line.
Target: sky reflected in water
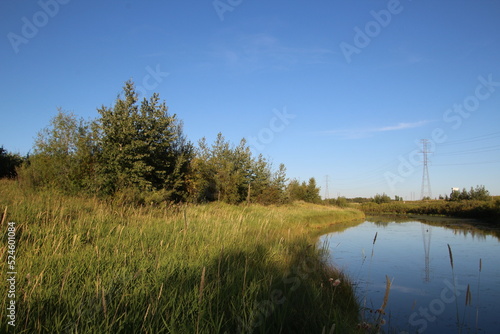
426 295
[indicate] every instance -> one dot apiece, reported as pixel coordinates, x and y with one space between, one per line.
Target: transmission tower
327 195
426 183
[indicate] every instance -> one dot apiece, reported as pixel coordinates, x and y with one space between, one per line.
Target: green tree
228 177
122 160
63 156
202 185
279 183
480 194
312 192
262 189
455 195
379 199
307 192
178 177
142 147
9 162
464 196
296 191
224 172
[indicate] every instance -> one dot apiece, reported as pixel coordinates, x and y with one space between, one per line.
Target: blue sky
339 88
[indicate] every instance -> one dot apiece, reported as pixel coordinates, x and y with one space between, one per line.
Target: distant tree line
137 151
479 193
475 194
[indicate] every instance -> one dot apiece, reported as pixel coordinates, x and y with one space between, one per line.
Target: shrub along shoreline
488 211
87 265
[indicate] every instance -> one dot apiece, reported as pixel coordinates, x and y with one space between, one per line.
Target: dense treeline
476 203
474 194
9 162
137 152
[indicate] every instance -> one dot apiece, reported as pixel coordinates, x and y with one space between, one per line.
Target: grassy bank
88 266
484 210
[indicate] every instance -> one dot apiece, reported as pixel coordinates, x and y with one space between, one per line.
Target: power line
469 163
472 139
473 150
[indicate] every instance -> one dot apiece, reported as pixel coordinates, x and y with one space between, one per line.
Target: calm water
424 297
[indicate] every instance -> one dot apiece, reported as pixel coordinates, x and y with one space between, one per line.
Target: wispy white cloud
400 126
259 51
357 133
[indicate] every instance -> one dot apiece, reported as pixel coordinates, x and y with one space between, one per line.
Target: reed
450 253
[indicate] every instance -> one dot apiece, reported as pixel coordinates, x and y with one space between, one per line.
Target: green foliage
379 199
312 192
486 210
360 200
9 162
64 155
222 172
142 147
476 194
341 202
137 152
304 192
131 149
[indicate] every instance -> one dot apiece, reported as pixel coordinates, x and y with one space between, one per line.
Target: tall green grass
89 266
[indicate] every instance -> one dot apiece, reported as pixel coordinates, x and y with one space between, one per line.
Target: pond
427 294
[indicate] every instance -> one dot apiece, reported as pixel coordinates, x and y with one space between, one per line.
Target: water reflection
426 295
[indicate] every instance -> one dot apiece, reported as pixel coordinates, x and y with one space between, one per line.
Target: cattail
386 296
468 296
451 255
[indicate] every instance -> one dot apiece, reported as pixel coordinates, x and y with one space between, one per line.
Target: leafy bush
384 198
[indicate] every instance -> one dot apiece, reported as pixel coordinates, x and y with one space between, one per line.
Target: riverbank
487 211
85 265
